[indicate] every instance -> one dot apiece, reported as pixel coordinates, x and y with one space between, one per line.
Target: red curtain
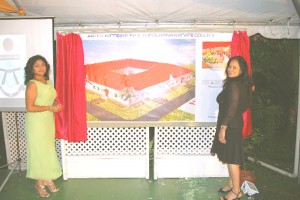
240 46
71 122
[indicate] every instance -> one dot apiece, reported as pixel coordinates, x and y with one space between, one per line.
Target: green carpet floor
18 187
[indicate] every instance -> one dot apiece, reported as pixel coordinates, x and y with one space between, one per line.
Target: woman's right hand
222 135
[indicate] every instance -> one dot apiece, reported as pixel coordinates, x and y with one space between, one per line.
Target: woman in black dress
233 101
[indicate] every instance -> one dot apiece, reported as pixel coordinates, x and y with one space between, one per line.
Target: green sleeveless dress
42 160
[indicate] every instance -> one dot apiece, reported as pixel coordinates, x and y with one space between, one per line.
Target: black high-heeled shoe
225 191
236 197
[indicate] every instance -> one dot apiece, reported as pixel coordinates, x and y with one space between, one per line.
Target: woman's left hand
56 108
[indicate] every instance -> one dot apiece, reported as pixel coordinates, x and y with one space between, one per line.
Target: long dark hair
247 80
28 70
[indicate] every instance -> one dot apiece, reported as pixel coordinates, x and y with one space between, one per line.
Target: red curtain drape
240 46
71 122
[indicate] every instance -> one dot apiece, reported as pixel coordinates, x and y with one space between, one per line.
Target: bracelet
223 127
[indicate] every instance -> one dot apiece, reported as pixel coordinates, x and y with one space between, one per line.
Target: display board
21 38
154 76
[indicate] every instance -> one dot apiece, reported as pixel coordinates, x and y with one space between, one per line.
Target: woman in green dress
42 161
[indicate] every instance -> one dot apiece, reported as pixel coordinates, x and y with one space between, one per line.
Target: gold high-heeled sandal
41 190
50 185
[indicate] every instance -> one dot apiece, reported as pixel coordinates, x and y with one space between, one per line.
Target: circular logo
8 44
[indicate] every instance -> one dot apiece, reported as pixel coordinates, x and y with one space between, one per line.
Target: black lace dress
233 100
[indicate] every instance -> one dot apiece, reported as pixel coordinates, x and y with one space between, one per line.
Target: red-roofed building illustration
131 81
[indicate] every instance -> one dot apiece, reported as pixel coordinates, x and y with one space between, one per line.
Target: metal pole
11 171
297 149
17 4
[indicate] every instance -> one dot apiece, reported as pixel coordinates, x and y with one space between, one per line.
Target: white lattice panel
10 134
184 140
184 152
111 141
109 152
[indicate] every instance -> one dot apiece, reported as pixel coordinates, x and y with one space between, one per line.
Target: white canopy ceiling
271 18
